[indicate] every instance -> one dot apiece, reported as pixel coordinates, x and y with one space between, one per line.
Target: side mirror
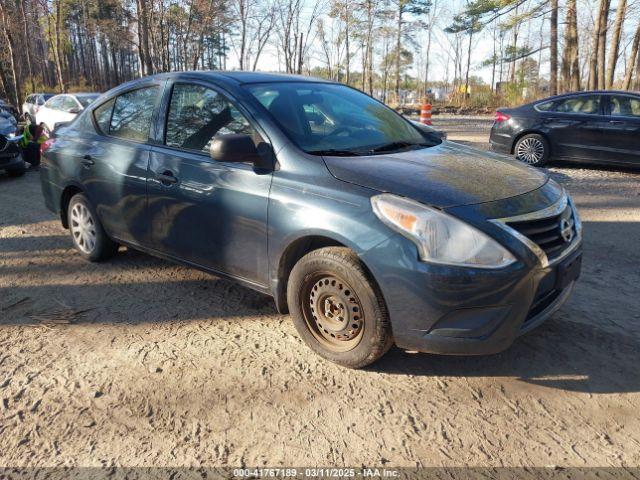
74 110
234 148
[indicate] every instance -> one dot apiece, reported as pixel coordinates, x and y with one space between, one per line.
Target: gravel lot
139 362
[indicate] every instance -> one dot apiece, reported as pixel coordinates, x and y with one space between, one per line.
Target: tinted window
544 107
132 114
102 115
319 117
198 114
625 106
585 104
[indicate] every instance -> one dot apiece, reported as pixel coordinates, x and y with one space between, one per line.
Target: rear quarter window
102 116
544 106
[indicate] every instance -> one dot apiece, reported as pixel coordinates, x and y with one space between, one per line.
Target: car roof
588 92
84 94
238 77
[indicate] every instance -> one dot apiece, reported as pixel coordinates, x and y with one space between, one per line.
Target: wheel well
67 194
294 252
528 132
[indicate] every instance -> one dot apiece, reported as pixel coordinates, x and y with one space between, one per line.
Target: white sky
530 33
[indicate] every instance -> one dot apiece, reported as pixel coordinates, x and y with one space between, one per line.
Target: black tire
331 285
532 149
102 247
17 171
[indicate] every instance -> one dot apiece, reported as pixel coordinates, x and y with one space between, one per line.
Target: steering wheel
339 130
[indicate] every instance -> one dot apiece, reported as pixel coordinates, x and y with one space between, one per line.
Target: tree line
389 48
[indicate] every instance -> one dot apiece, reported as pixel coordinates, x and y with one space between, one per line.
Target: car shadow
562 354
591 345
593 166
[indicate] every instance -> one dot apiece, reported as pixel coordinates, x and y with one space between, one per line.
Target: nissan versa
369 231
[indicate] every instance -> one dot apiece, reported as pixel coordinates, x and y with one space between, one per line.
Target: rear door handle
166 178
616 122
87 161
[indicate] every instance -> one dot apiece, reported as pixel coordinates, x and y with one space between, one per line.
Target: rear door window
624 106
584 104
132 114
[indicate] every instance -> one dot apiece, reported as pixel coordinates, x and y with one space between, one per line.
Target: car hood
446 175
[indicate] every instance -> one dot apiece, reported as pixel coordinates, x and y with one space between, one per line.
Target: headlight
440 238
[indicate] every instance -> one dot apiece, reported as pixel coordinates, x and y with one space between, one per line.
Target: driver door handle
166 177
87 161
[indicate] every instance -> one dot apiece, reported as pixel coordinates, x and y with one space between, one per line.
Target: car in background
600 127
369 230
63 108
6 109
32 104
11 160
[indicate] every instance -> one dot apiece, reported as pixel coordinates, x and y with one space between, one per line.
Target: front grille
547 232
541 302
8 150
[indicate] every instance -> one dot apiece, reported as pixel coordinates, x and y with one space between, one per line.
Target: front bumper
457 311
10 158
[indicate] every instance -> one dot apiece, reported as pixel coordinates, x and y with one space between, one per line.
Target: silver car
32 104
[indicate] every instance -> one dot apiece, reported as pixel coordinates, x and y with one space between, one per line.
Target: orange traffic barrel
425 114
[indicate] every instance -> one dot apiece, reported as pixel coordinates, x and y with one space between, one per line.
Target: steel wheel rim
83 228
333 313
530 150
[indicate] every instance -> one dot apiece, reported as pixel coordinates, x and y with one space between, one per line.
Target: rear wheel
87 233
532 149
338 309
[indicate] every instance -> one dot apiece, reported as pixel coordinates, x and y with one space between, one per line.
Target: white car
63 108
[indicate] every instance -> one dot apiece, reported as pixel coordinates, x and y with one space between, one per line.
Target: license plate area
568 271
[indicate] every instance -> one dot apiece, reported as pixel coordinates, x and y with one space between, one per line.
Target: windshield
330 119
85 100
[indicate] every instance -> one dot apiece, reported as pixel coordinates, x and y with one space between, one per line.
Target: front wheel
87 233
532 149
338 309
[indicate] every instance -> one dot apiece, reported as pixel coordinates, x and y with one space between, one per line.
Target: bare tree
631 60
571 60
553 49
615 43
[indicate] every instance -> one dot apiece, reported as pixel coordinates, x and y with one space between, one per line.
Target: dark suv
367 229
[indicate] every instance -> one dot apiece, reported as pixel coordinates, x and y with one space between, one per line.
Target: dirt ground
139 362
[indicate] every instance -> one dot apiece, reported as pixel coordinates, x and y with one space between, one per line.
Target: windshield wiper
387 147
335 153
